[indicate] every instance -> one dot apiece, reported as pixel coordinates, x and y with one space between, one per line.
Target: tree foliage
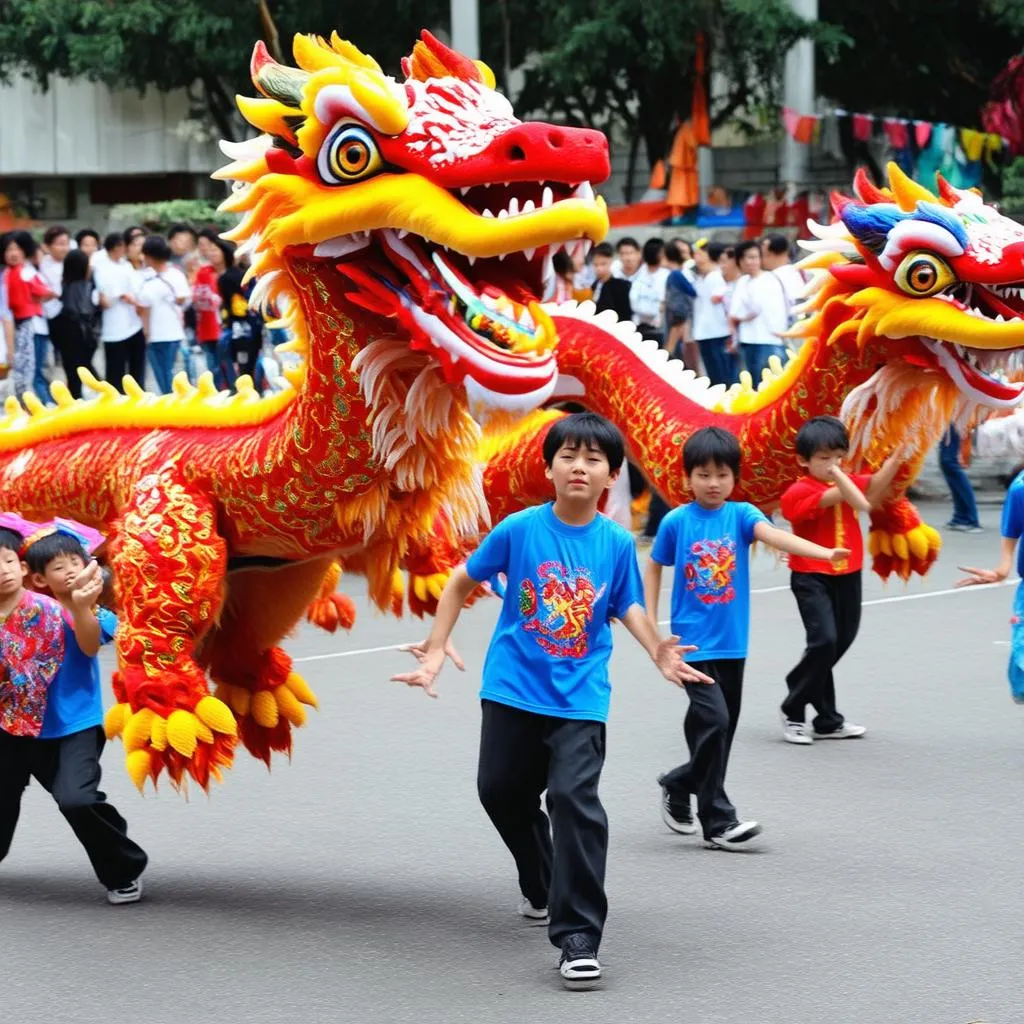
933 60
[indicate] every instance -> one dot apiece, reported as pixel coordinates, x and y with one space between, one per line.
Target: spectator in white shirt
775 256
627 260
162 299
124 344
761 310
710 314
88 241
647 292
56 242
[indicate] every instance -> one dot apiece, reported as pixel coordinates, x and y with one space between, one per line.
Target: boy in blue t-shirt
546 690
708 542
1011 530
65 757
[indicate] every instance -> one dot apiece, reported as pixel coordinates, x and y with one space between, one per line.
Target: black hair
179 229
23 240
156 248
76 267
777 244
53 233
711 446
226 247
86 233
673 254
47 548
714 250
11 540
561 263
823 433
113 240
627 240
744 247
586 430
653 248
603 249
135 231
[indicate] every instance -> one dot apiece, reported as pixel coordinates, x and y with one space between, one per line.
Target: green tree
630 65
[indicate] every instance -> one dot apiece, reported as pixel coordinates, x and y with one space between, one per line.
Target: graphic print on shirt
564 611
709 570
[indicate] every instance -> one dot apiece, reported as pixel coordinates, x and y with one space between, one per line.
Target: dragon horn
908 192
432 59
949 195
866 190
275 81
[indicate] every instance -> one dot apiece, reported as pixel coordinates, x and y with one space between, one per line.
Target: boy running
546 690
708 543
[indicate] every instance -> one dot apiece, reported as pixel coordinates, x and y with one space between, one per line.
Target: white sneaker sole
580 974
116 899
797 739
740 842
840 735
682 830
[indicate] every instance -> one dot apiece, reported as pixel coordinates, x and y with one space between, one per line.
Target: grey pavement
363 883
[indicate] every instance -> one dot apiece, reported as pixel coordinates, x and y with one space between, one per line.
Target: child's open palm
86 587
669 659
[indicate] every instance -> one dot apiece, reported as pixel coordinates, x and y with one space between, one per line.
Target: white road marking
761 590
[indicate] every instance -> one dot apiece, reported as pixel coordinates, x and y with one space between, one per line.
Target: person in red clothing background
823 507
26 291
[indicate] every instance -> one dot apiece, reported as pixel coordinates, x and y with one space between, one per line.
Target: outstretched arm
665 653
793 545
86 588
997 575
652 589
882 481
432 652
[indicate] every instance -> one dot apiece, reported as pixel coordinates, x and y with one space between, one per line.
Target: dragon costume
403 227
916 301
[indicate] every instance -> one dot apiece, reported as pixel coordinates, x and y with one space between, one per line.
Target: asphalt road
363 882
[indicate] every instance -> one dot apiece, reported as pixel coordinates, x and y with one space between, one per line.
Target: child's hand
669 659
839 555
87 586
979 577
431 662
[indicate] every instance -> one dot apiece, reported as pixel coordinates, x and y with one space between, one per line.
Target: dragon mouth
976 371
478 315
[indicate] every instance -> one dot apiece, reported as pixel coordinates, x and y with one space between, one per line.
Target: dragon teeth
528 253
547 196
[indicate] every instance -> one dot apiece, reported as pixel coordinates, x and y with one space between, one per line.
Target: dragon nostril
516 153
555 139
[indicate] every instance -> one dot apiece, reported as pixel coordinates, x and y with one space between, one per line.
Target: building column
797 93
466 27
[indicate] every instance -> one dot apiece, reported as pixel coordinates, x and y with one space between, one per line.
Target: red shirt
25 289
206 302
836 526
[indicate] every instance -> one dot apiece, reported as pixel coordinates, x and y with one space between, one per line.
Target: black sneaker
735 837
579 966
677 813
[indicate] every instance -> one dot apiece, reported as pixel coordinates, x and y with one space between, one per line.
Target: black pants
709 728
521 756
74 348
69 770
123 357
830 609
657 510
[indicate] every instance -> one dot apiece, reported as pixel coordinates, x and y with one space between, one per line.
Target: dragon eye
349 154
923 274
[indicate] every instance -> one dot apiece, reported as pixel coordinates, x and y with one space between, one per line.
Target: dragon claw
900 543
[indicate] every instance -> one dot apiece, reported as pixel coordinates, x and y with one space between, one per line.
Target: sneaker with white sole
735 837
579 965
796 732
535 916
128 894
677 814
847 731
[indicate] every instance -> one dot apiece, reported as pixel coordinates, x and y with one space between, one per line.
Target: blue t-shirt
1013 517
74 701
550 649
710 550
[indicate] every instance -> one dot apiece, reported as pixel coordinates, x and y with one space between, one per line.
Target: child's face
822 462
59 575
580 474
12 573
712 484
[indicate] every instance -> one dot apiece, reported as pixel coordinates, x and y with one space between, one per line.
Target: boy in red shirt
823 507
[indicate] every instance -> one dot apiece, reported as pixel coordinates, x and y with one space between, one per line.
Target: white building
68 154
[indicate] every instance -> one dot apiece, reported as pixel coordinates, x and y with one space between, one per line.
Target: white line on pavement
762 590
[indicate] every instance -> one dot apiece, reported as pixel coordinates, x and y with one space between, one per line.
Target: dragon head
934 283
430 200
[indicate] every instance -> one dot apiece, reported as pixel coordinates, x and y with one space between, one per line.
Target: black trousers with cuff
69 770
830 609
709 727
560 855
